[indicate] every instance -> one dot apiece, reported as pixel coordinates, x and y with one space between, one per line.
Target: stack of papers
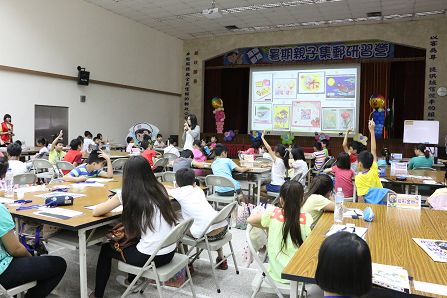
59 213
6 200
436 249
117 209
391 277
360 231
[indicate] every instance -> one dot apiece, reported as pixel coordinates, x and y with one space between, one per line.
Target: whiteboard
418 131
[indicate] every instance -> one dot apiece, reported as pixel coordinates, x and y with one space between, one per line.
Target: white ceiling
184 19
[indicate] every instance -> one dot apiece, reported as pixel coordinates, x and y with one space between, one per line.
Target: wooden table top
438 176
94 196
389 238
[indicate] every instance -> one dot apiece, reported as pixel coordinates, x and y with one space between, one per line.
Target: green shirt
420 162
55 156
6 225
314 206
326 152
273 219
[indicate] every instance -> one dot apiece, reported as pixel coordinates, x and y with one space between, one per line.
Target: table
438 176
390 240
113 154
80 224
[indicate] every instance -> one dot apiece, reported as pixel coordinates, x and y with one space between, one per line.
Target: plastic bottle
107 147
338 211
9 187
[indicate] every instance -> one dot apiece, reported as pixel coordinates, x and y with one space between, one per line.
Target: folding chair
17 291
425 168
212 181
163 273
263 282
329 162
44 169
64 166
118 165
168 176
24 179
170 156
202 242
161 162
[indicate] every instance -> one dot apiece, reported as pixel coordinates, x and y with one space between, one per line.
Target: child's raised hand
61 133
371 125
349 130
103 155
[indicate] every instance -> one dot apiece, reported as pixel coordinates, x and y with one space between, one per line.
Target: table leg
82 263
258 194
416 189
407 189
293 289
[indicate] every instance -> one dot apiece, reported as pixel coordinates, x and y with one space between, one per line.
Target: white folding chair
170 156
263 282
161 162
168 176
163 273
17 291
118 165
212 181
44 169
64 166
24 179
202 243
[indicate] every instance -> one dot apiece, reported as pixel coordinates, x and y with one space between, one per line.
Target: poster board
419 131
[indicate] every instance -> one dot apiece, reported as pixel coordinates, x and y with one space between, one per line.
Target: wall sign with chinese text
432 76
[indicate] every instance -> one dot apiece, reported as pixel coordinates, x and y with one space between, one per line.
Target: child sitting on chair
93 168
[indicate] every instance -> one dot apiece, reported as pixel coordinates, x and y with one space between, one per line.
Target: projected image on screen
304 100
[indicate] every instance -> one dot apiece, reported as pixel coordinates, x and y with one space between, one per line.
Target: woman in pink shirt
197 151
343 174
254 149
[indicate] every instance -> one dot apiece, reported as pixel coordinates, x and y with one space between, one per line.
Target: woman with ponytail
287 227
280 165
422 158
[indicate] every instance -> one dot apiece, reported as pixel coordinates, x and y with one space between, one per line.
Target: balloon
377 101
287 138
255 135
229 136
216 102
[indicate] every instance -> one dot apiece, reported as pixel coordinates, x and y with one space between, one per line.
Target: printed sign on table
404 201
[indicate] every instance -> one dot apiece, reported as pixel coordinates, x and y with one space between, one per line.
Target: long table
79 231
437 176
389 238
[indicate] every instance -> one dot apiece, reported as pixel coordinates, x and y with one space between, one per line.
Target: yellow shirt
314 206
55 156
364 181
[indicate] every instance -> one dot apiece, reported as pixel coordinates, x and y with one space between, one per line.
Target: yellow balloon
216 102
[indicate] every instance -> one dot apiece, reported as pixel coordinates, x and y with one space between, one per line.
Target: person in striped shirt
93 168
319 155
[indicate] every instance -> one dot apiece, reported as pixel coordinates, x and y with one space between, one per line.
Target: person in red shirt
355 147
6 130
74 155
148 152
343 174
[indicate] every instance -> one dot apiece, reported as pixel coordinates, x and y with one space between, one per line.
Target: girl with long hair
280 157
147 216
318 197
287 227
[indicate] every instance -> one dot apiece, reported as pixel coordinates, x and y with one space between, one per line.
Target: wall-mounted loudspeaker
83 76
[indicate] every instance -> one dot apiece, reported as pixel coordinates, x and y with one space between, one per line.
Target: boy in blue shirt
93 168
223 166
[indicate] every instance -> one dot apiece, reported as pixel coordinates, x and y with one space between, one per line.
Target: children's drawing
284 88
311 82
346 118
340 86
262 90
281 117
262 114
329 119
306 114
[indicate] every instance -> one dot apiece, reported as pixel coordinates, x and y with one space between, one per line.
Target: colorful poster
329 119
311 82
346 118
281 117
306 114
284 88
262 113
262 87
340 86
436 249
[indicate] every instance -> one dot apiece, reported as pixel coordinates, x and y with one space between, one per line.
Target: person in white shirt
88 140
130 144
159 142
171 148
298 164
17 167
194 205
148 217
42 144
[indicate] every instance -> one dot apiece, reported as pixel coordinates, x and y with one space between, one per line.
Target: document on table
360 231
60 193
117 209
31 188
436 249
6 200
59 213
428 287
100 180
353 213
391 277
85 184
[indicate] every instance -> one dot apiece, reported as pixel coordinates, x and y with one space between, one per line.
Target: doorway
49 120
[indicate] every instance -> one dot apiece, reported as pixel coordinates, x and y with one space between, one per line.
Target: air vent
374 14
232 27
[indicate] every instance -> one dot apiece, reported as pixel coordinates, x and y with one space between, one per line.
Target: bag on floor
243 212
31 237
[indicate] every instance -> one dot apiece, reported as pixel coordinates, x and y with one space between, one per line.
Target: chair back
118 164
176 234
264 160
161 162
42 164
170 156
23 179
168 176
425 168
64 166
304 176
215 180
223 214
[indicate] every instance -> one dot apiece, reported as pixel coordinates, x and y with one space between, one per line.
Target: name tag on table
404 201
399 169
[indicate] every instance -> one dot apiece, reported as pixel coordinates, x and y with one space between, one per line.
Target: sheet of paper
429 182
392 277
32 188
6 200
87 184
60 193
58 212
117 209
436 249
383 180
353 213
430 288
360 231
100 180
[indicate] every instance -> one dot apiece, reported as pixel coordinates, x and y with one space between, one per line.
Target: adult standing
191 131
7 129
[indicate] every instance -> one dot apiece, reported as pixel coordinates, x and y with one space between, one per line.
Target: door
49 120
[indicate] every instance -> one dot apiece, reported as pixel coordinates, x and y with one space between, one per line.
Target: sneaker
223 265
122 280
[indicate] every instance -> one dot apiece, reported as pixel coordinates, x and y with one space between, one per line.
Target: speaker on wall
83 76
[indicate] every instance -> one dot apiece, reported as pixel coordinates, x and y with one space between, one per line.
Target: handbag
118 239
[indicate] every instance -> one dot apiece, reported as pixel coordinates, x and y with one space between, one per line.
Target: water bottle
107 147
9 187
338 211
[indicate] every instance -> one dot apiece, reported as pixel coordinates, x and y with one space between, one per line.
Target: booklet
57 212
360 231
436 249
391 277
